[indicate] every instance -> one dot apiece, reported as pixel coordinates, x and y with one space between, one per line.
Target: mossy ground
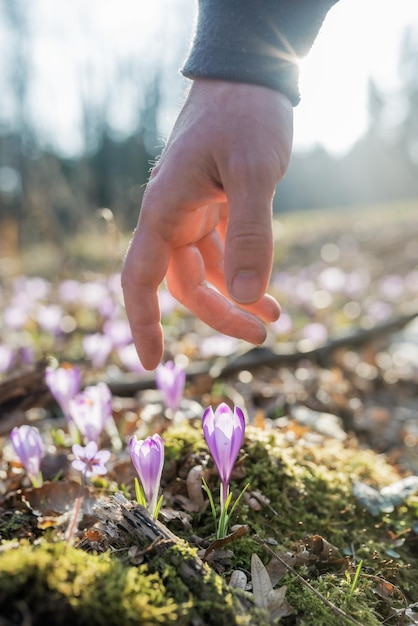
307 483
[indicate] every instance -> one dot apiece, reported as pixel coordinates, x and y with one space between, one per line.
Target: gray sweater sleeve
255 41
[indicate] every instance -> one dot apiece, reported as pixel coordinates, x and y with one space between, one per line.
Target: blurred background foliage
47 194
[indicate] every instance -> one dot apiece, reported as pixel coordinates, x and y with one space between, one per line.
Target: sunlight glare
359 39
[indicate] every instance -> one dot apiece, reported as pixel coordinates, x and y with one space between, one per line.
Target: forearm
255 41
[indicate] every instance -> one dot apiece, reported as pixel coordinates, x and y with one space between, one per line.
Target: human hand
206 216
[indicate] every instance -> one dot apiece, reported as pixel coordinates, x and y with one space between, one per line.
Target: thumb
249 244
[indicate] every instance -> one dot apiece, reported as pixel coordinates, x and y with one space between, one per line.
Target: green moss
308 484
51 578
182 441
69 586
314 609
309 488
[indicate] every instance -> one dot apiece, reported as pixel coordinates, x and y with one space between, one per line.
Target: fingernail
246 286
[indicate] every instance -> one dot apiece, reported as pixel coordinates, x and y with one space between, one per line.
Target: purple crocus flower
7 356
129 358
89 460
27 444
97 348
64 383
118 331
224 433
91 409
49 318
170 380
148 458
101 394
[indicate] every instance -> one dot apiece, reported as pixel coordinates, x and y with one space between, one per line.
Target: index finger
144 269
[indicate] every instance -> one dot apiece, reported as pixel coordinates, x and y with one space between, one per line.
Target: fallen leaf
241 531
261 582
277 605
265 597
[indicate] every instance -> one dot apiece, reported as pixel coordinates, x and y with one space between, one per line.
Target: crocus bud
224 433
148 458
170 380
64 383
27 444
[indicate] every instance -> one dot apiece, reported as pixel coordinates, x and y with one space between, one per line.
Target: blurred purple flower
15 316
284 325
101 394
49 318
69 290
91 409
27 355
171 380
332 279
97 348
7 356
34 288
168 304
27 444
114 284
302 292
379 311
357 282
107 307
129 358
118 331
218 345
392 287
92 294
224 432
315 332
148 458
281 282
64 383
89 460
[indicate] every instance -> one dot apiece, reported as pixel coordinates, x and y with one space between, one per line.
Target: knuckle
249 236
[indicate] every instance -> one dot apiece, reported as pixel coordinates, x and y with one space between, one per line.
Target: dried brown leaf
277 569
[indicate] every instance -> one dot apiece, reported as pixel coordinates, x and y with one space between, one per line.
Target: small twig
269 356
329 604
74 522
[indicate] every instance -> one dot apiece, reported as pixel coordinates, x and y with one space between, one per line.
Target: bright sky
359 39
73 47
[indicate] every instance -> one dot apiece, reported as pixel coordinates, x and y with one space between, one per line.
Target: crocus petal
89 460
99 469
171 380
89 414
90 450
208 423
102 456
148 458
27 444
64 383
238 433
78 465
77 450
224 433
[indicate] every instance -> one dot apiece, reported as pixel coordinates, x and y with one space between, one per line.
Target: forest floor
327 531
